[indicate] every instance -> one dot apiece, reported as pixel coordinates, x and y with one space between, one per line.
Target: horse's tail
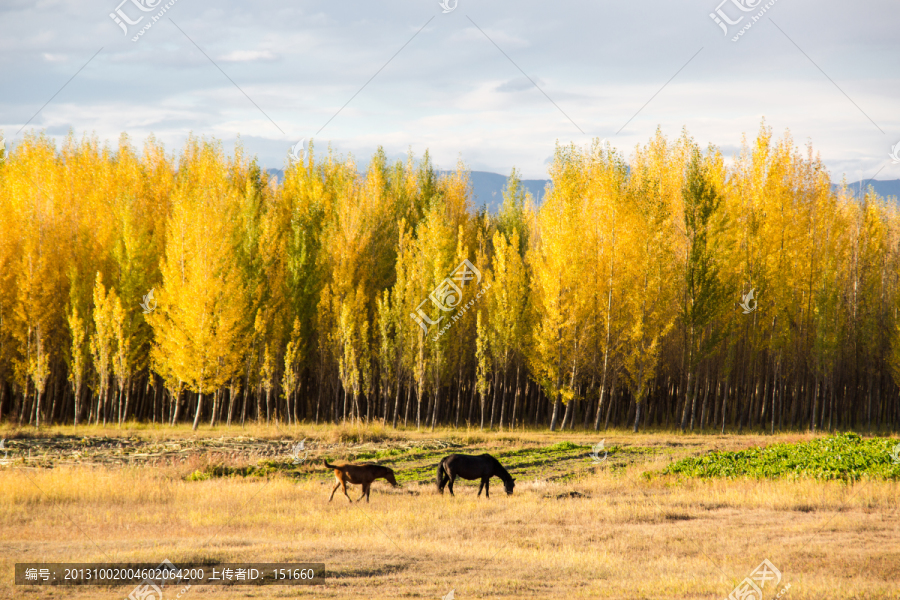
329 466
441 477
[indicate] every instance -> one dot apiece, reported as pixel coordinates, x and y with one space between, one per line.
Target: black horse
473 467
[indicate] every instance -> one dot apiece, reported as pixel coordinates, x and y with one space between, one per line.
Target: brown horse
362 475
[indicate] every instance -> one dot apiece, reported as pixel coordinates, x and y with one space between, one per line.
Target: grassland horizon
580 524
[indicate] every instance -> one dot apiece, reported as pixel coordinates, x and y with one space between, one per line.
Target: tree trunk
481 397
512 421
503 395
437 406
869 406
258 403
177 401
555 417
396 403
459 388
127 398
408 399
703 413
725 400
37 407
496 391
53 395
230 404
637 414
815 406
77 400
612 399
119 406
777 386
687 396
694 403
418 407
526 405
197 414
215 405
831 410
600 401
103 408
292 401
472 403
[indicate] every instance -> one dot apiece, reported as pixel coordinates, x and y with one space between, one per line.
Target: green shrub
563 447
847 457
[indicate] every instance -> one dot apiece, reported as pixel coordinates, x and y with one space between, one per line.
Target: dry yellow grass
620 536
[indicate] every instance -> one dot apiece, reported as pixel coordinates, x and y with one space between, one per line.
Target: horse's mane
504 474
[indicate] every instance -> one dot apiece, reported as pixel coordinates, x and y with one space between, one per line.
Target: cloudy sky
496 84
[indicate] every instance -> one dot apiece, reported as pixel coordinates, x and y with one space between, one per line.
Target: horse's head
389 476
509 485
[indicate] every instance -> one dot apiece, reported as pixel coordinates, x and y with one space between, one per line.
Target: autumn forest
671 288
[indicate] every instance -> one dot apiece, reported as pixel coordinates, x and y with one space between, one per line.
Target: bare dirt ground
576 526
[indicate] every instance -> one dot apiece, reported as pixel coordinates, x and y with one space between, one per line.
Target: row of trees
333 295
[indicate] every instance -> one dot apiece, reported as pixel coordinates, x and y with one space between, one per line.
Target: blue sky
463 84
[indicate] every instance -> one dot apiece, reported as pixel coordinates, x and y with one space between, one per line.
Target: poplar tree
704 291
200 326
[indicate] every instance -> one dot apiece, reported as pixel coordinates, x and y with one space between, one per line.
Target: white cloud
449 89
504 39
248 56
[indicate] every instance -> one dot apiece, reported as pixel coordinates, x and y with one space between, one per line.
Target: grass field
574 528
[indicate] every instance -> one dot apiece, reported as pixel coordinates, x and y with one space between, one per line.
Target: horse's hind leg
487 488
344 483
336 486
480 487
450 485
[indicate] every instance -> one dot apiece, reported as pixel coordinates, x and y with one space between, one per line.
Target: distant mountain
487 188
885 189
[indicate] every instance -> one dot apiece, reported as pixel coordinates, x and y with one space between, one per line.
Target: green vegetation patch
847 457
567 451
264 468
561 461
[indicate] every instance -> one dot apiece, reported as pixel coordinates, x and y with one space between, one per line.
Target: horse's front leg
481 487
365 492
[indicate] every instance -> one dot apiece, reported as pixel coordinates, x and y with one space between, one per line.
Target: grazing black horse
473 467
